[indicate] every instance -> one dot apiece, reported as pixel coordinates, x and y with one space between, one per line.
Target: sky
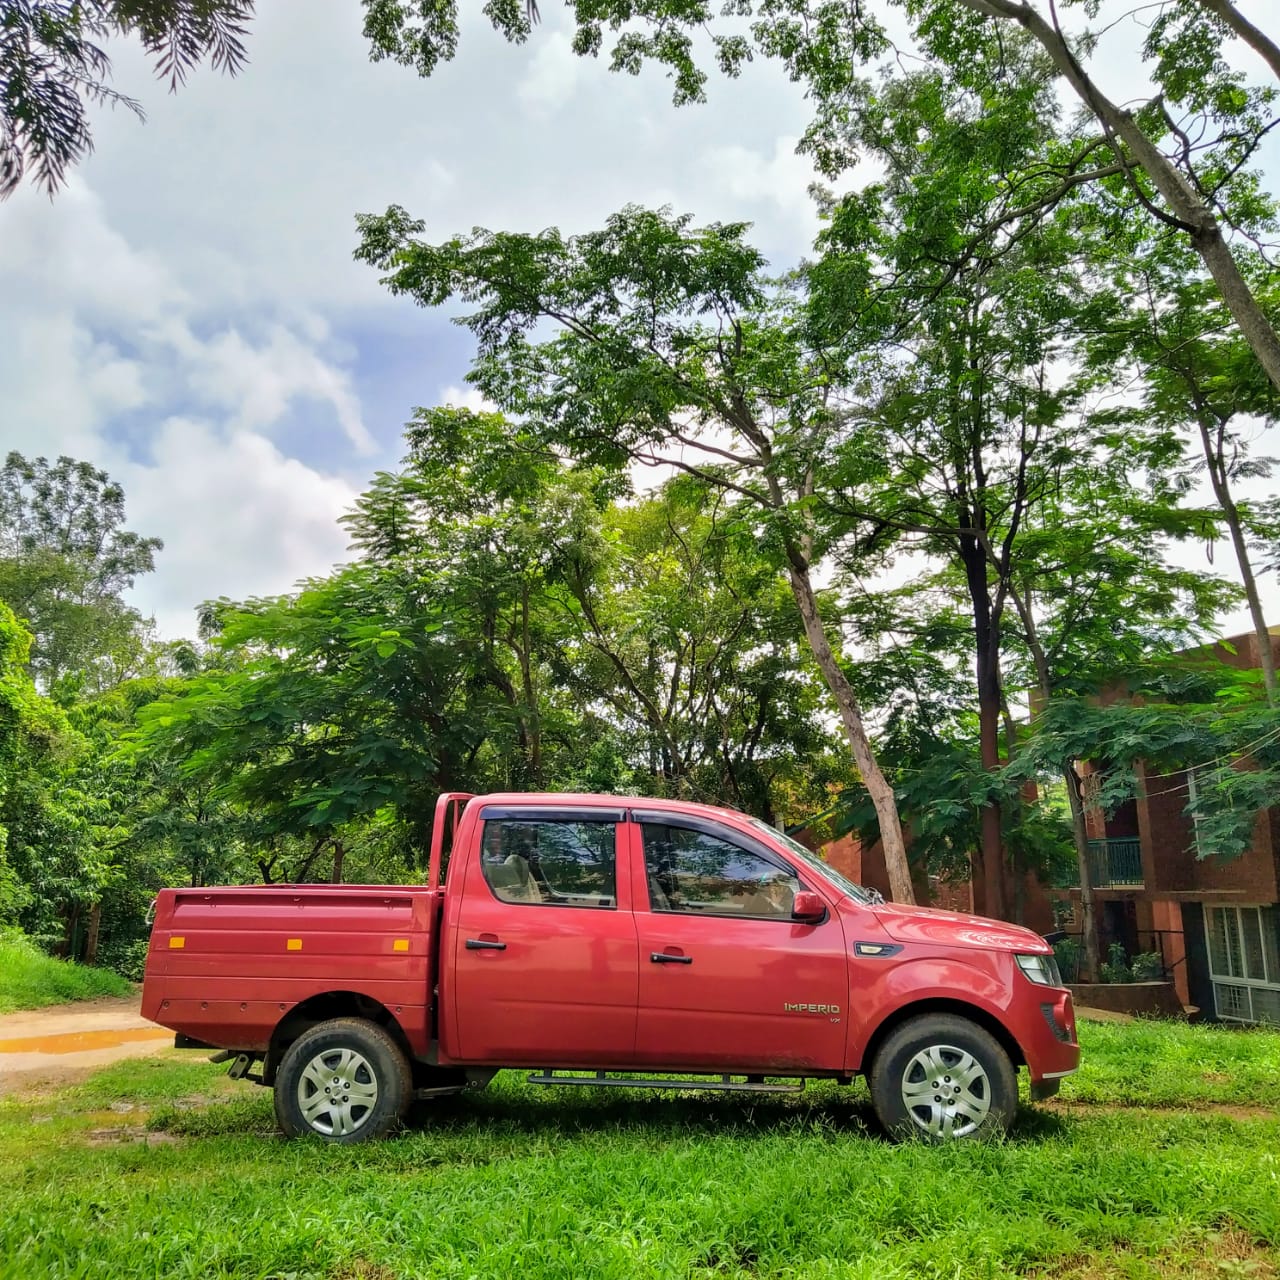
187 315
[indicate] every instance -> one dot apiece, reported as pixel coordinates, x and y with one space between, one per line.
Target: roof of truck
570 799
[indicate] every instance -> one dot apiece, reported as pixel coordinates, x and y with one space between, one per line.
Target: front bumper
1050 1046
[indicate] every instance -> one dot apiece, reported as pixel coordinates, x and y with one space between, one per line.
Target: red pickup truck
608 941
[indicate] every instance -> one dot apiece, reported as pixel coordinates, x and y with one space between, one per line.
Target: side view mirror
808 908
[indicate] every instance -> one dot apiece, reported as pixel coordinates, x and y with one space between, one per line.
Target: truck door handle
661 957
482 944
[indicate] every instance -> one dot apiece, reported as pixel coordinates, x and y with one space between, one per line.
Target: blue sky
187 313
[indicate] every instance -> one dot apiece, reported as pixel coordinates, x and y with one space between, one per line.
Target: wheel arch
324 1008
976 1014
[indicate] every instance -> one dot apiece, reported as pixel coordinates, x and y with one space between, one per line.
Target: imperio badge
788 1007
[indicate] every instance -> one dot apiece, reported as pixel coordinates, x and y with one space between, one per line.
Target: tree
337 703
670 338
682 628
52 859
53 67
654 625
24 717
1198 373
65 562
1182 157
486 519
976 425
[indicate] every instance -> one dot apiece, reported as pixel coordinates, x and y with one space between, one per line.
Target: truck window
551 863
696 872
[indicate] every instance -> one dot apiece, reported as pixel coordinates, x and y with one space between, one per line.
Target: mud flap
1042 1089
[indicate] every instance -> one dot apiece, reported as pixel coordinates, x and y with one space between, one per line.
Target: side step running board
603 1079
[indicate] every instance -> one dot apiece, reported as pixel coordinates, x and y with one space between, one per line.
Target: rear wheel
941 1077
344 1081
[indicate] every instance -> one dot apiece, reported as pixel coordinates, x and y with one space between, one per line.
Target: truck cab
609 941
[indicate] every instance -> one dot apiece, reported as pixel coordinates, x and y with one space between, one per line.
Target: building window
1244 962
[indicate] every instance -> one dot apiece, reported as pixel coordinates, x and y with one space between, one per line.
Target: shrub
1147 966
1115 968
1067 952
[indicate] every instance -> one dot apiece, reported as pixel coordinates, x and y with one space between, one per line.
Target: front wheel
940 1077
344 1081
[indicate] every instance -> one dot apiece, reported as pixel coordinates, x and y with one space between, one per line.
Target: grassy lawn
1162 1159
30 979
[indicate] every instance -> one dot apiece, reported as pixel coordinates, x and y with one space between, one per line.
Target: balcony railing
1113 864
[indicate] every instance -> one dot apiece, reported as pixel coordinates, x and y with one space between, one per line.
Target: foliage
348 698
30 979
1183 160
1067 952
1159 724
673 346
65 562
501 613
54 69
1115 968
613 1184
1147 966
40 825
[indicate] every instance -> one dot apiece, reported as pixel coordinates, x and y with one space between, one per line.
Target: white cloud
237 516
467 398
256 384
553 76
781 179
107 357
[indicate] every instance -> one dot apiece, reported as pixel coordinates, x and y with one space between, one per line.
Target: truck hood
954 929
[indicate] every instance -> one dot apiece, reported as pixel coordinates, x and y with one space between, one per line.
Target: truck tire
344 1081
941 1078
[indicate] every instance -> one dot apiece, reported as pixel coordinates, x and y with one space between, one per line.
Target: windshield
860 893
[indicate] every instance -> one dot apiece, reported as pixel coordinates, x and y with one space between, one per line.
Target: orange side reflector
177 943
294 944
400 944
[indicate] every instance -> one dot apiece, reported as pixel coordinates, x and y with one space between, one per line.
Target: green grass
519 1182
30 979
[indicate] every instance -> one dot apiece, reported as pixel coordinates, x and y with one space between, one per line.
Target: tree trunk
1222 492
1088 900
339 856
1184 203
64 948
1017 895
988 880
91 937
882 797
530 694
1079 828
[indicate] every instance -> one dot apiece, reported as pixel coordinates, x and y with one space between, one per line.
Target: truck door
727 978
544 941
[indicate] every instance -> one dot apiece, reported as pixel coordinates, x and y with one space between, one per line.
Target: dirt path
58 1043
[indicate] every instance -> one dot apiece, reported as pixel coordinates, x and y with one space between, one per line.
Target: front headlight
1042 970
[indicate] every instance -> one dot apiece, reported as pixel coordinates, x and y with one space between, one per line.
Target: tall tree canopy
674 344
1182 158
66 560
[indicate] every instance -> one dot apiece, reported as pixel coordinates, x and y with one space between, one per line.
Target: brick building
1031 903
1216 924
